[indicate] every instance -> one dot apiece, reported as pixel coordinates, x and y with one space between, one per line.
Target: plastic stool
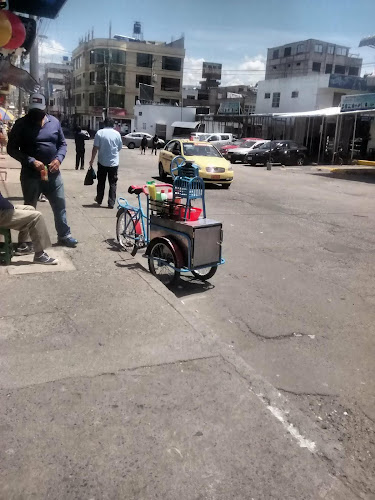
6 248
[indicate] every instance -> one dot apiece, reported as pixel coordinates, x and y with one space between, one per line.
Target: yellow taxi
213 167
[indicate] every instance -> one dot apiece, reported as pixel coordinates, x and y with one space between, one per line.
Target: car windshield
200 150
266 145
248 144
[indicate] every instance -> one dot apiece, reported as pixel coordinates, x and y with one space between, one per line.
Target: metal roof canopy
189 125
316 112
40 8
368 41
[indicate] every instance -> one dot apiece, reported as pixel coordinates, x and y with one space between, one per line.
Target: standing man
144 143
155 142
36 141
107 144
80 137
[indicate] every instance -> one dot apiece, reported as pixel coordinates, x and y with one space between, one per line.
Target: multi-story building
310 57
109 73
308 75
54 83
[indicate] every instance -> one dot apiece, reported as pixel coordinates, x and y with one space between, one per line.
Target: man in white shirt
107 144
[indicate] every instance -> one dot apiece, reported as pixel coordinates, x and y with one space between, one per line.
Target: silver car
133 140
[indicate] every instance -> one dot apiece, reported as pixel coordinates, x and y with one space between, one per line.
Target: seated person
26 219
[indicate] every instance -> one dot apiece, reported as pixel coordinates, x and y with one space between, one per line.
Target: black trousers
80 158
112 180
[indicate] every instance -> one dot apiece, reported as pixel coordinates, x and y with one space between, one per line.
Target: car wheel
131 145
300 161
162 174
233 161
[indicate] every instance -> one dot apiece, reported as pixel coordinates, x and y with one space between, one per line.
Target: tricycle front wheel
204 274
162 262
126 232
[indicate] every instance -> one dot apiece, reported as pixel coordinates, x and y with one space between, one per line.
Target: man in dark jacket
144 143
80 137
155 144
26 219
36 141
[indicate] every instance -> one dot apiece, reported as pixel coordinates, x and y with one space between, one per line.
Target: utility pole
107 66
34 56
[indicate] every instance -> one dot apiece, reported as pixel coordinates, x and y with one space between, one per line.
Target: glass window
329 68
171 63
92 77
275 54
295 94
276 100
331 49
287 51
91 99
117 78
118 56
353 71
200 150
144 60
99 98
300 48
170 84
339 70
267 95
170 146
142 79
78 82
341 51
116 100
78 100
316 66
97 56
318 48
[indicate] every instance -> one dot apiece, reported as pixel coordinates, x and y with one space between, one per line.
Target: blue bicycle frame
139 216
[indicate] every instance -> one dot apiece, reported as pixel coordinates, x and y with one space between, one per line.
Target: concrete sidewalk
110 387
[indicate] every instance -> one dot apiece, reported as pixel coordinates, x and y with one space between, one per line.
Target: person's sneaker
42 198
111 206
24 249
68 241
96 200
45 259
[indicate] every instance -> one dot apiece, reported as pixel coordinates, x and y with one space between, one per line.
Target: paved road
256 385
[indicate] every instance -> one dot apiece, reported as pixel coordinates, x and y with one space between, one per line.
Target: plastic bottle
44 173
163 195
151 190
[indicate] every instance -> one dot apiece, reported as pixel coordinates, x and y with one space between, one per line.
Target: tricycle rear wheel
163 261
205 274
125 231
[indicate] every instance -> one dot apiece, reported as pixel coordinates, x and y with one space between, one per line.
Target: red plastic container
192 213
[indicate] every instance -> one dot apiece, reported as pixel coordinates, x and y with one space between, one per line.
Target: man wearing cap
37 140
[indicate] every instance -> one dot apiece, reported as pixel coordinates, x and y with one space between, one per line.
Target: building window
331 49
144 60
287 51
275 54
329 69
97 56
78 82
78 100
171 63
91 99
295 94
316 66
298 64
116 100
99 98
339 70
318 48
92 77
146 79
276 100
117 56
274 67
300 48
353 71
170 84
190 97
117 78
267 95
341 51
171 102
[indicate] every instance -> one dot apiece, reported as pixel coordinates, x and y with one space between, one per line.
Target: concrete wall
146 116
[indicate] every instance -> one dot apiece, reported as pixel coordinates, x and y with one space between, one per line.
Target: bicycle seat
135 190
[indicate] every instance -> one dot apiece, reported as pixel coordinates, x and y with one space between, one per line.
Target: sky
235 33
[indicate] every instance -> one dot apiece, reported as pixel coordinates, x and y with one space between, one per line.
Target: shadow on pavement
114 245
130 265
92 205
188 285
369 179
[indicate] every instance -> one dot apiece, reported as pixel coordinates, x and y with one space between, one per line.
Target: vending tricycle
178 236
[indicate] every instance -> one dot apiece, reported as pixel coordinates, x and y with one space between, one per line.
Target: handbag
90 177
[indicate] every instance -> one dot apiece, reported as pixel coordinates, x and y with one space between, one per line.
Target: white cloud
192 70
51 51
246 72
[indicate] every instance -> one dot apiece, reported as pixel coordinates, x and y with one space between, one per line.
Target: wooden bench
6 247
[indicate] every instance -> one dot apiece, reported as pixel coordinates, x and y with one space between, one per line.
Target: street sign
357 102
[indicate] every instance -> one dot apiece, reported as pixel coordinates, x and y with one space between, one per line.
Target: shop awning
189 125
316 112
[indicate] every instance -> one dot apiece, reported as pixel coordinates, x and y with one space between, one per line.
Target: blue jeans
53 189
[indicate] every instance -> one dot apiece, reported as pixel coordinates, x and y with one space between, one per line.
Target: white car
239 154
134 139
